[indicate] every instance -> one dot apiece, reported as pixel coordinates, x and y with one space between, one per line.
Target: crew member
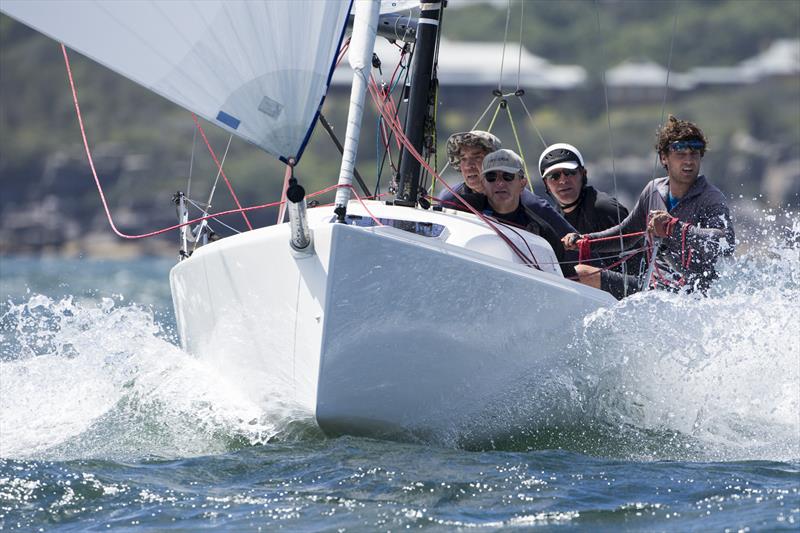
683 211
465 152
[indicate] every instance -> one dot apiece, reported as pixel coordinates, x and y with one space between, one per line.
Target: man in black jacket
585 208
504 180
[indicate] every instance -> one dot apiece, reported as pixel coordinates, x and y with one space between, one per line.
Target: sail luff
362 44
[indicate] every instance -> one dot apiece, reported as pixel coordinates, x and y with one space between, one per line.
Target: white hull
385 333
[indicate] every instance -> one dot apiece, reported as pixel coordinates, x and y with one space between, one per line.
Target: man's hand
660 223
570 241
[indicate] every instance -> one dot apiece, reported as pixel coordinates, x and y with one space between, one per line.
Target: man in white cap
587 209
465 152
565 178
503 177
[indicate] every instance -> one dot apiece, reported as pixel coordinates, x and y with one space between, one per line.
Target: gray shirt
704 231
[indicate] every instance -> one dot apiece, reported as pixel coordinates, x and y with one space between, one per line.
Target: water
684 415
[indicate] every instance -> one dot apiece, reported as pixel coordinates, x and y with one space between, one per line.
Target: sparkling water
680 413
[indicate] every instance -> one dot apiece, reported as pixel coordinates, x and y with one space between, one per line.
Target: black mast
419 100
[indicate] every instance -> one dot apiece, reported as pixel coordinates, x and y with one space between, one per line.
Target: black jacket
535 203
528 220
597 211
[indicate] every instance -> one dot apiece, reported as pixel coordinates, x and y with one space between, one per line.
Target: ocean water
685 416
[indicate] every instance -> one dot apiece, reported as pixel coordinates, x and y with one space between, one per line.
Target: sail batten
259 69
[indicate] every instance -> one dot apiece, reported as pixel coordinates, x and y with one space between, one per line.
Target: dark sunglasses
492 176
683 146
555 176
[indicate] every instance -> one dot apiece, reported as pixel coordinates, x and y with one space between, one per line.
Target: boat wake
657 376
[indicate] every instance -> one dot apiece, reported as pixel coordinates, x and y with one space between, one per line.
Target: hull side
255 309
465 346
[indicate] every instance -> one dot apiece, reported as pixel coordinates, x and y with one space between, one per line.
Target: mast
419 100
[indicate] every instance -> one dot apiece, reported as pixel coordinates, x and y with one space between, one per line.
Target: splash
101 379
718 376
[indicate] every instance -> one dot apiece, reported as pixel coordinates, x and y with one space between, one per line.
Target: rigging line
539 133
505 40
666 84
211 194
604 62
435 141
100 187
521 25
654 242
197 205
402 67
338 144
214 156
519 147
494 117
435 82
191 162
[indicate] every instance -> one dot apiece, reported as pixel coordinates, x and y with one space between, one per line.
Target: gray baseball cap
505 161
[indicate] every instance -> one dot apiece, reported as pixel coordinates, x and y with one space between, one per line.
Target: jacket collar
697 188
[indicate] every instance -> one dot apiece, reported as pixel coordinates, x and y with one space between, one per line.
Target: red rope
94 170
219 167
398 131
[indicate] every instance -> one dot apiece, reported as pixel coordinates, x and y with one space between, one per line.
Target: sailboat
380 319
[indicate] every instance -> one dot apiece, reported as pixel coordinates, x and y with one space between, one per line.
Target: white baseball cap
560 155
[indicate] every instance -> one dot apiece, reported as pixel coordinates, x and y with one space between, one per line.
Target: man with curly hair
683 211
466 151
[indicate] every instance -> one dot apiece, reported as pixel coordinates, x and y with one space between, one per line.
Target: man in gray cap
503 179
466 151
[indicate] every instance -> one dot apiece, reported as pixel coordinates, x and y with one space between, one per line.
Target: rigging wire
505 40
211 195
191 162
219 166
652 267
604 62
519 56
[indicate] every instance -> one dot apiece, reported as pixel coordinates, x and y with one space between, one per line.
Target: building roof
478 64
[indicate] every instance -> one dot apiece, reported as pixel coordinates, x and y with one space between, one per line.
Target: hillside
143 145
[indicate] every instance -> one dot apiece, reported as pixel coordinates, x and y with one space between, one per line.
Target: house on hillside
472 69
642 80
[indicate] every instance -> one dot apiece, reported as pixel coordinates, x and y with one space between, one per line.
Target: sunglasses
687 146
492 176
555 176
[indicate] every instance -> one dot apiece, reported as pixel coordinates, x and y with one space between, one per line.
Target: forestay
259 69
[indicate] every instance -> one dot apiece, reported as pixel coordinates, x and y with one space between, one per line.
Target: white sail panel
256 68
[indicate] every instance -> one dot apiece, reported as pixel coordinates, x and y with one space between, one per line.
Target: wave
104 380
657 376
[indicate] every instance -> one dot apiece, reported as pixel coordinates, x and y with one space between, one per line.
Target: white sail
259 69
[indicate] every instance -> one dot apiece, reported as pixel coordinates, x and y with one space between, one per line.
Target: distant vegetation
144 143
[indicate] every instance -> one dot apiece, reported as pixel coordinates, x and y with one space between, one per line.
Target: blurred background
601 75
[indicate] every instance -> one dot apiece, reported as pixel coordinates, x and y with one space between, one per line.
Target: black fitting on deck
295 192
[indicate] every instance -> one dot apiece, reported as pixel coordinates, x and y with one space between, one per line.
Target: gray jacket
704 232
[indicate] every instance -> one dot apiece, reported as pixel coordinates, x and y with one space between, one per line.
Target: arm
635 222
